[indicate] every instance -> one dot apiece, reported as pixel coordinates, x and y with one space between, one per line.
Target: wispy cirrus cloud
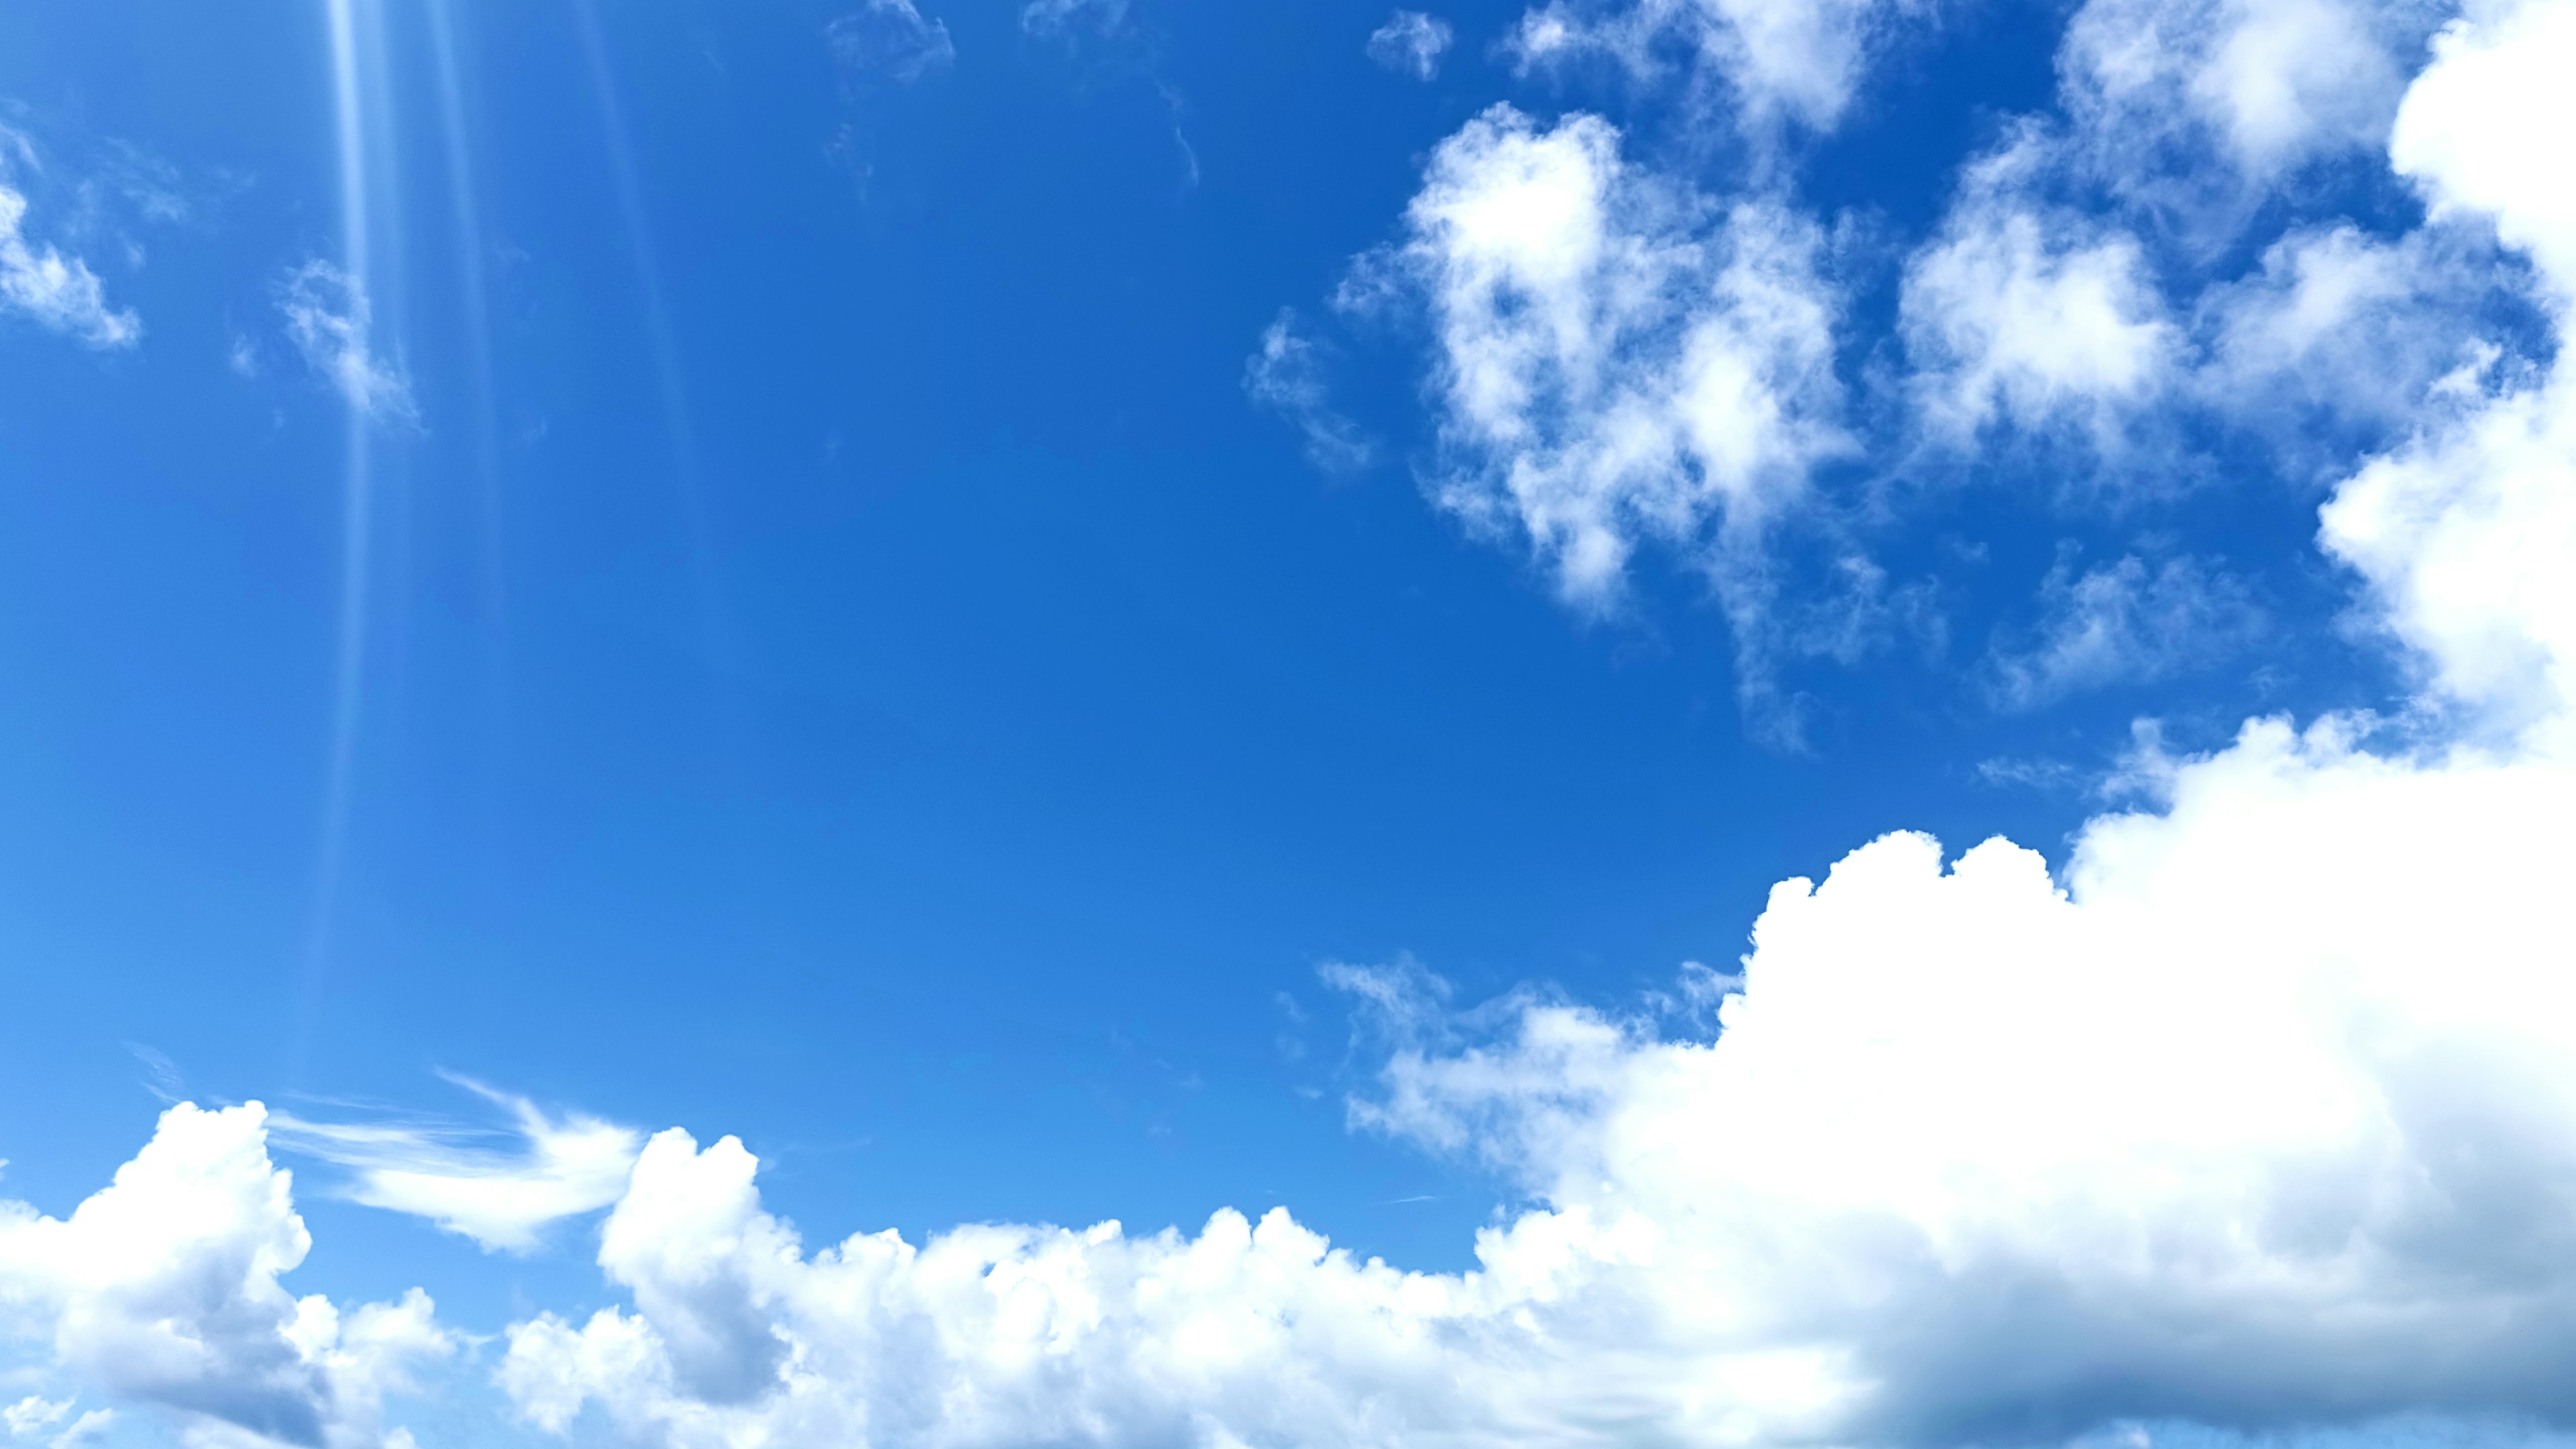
502 1198
331 321
1618 360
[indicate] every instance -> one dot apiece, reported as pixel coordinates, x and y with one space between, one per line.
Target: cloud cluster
162 1289
1618 358
39 282
2258 1112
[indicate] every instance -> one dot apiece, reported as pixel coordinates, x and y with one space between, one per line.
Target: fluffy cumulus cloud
1619 359
2031 315
39 282
890 39
1412 42
162 1290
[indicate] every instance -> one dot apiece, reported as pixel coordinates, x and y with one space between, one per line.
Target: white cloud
891 38
2272 83
33 1414
1618 359
87 1429
2028 314
2336 321
2269 1089
330 320
1411 42
504 1201
2484 130
2262 1111
53 290
2125 623
163 1289
2465 532
1286 375
1782 60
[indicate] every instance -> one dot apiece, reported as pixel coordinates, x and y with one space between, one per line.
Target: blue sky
1105 610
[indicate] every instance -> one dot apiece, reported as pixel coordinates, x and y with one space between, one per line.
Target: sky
1129 723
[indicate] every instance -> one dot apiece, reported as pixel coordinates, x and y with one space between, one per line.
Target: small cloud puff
1411 42
1286 375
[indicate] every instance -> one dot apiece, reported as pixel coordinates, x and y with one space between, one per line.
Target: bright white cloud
2484 129
2031 315
1618 359
56 291
1782 60
2465 532
1411 42
2336 322
890 38
2125 623
504 1201
331 321
1286 375
163 1289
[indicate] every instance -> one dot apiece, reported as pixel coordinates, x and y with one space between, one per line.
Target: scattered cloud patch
330 320
2267 84
1286 374
2034 316
1411 43
57 292
1617 359
2339 323
2125 623
891 39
